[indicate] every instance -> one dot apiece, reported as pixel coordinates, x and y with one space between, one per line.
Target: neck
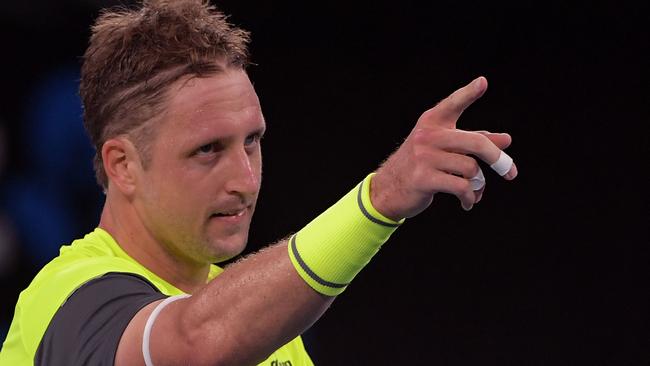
125 226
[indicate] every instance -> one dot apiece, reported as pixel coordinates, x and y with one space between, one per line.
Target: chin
224 250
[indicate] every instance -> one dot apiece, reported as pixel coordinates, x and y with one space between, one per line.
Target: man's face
198 193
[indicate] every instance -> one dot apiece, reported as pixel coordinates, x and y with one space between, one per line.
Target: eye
207 149
252 139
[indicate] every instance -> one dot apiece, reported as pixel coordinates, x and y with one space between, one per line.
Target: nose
244 174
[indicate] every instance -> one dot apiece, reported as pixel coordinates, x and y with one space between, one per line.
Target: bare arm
260 303
253 308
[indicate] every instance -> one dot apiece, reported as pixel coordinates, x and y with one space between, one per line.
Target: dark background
550 269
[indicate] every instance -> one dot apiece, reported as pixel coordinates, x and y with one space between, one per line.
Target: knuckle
471 167
420 154
438 135
462 186
418 174
420 136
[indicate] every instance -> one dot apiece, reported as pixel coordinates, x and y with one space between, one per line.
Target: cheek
256 162
169 191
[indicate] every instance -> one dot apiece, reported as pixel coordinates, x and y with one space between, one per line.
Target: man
177 125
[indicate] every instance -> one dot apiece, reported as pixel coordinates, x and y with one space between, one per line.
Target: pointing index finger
447 112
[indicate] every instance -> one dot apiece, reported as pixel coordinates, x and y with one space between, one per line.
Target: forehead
223 101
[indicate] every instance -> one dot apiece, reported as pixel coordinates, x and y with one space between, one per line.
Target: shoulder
54 284
85 259
88 326
59 278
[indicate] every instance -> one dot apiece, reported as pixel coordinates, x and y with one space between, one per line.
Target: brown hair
136 54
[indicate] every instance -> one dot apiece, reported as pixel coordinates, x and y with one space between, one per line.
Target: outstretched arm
262 302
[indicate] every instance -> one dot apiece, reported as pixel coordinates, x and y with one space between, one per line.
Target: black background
549 269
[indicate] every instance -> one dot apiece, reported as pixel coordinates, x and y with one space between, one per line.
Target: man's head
136 54
176 123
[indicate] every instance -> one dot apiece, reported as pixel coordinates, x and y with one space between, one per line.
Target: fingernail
467 209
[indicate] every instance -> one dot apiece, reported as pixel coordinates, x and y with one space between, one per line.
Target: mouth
231 213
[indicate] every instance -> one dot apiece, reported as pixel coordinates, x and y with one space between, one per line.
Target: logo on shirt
281 363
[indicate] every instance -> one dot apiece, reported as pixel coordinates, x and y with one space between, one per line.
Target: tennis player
177 125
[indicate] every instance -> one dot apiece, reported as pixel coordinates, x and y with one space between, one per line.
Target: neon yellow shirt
91 257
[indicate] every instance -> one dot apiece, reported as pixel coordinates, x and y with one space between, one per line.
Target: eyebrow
260 131
225 139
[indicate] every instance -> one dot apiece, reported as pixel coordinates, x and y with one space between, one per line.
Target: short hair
135 55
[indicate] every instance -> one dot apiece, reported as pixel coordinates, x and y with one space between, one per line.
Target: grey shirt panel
87 328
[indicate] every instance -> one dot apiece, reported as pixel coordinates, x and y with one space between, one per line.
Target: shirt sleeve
87 328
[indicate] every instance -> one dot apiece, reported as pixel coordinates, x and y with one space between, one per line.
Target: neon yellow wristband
330 251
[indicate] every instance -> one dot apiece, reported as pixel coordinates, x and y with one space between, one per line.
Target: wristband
330 251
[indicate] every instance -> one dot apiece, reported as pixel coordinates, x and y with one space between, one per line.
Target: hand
434 158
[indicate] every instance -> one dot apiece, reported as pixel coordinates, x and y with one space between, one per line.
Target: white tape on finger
503 164
478 181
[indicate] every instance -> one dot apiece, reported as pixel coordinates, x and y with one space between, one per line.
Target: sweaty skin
193 203
192 206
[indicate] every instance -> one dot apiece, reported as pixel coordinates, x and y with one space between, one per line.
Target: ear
121 162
